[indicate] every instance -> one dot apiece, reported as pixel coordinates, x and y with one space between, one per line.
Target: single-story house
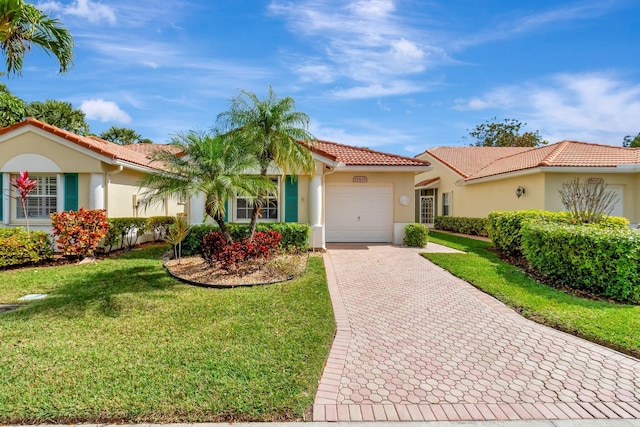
473 181
355 194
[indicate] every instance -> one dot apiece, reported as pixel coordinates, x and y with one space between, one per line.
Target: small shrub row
471 226
505 227
216 250
124 232
17 247
416 235
598 260
159 226
295 237
78 233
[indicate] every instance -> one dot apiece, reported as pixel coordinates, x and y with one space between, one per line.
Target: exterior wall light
519 191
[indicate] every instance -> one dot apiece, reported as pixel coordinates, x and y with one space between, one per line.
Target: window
244 206
445 204
43 199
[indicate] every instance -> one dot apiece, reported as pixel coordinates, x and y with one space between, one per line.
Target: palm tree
23 25
276 131
209 164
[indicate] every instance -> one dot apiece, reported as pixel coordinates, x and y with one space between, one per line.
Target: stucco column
315 201
196 209
96 191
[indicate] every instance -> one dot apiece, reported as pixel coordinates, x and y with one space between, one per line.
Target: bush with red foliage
230 255
79 233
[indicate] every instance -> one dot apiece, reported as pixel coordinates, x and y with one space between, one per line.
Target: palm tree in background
22 25
209 164
275 131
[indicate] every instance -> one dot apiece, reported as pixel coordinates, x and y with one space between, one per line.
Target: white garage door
359 213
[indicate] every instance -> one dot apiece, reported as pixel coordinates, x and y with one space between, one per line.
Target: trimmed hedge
594 259
295 236
17 247
159 225
124 232
471 226
505 227
416 235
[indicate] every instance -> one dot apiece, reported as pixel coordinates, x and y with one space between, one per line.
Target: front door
427 210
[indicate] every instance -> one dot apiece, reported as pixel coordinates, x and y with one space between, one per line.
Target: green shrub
124 232
505 227
17 247
601 261
416 235
295 237
471 226
159 225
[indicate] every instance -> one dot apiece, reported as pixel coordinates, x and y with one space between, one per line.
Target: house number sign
359 179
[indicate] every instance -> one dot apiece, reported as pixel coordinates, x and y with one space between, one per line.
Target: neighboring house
473 181
355 194
72 172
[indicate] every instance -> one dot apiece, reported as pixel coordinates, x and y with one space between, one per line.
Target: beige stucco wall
121 188
628 181
403 185
68 159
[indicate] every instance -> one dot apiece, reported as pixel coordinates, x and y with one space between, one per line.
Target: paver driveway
414 342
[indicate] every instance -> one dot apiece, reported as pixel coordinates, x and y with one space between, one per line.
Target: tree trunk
257 207
223 228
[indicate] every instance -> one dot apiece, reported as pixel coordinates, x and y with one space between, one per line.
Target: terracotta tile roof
356 156
481 162
427 182
128 153
466 161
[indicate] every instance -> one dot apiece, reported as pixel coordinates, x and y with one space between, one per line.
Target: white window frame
272 198
446 204
37 196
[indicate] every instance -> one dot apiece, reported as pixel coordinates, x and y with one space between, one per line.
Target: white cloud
366 44
594 107
94 12
104 111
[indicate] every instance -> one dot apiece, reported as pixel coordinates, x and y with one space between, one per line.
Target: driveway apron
413 342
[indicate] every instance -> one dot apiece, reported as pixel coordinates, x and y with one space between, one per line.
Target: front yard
121 341
611 324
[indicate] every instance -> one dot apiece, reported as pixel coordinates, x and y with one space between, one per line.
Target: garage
359 213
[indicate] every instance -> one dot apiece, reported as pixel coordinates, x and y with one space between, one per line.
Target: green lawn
121 341
613 325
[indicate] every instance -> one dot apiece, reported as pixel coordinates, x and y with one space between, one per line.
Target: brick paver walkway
415 343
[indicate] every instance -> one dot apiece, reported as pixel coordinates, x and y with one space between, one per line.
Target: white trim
551 169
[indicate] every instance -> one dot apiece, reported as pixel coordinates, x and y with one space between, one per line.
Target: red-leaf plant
24 186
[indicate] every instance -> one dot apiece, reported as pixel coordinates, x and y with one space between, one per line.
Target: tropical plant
60 114
203 163
79 233
22 25
278 135
123 136
589 200
12 108
506 134
24 186
178 231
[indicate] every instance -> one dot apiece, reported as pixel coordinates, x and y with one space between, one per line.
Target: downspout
106 193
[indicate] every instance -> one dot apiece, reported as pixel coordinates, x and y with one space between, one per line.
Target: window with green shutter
70 191
290 199
226 211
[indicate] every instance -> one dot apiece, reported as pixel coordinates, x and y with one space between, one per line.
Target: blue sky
394 75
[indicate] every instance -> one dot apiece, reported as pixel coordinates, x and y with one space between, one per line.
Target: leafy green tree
274 129
60 114
631 141
209 164
124 136
22 26
12 108
505 134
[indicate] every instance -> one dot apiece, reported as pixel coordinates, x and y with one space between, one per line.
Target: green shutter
290 199
1 197
226 211
70 191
